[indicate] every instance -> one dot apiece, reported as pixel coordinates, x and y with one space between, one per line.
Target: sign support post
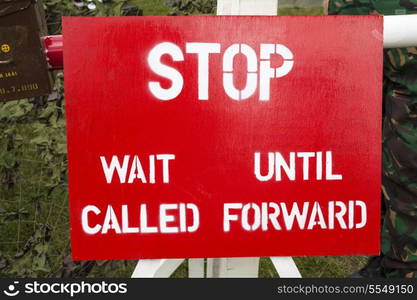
223 267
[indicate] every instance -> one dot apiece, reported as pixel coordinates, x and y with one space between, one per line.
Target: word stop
257 71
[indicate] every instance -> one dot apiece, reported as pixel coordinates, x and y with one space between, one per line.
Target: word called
167 214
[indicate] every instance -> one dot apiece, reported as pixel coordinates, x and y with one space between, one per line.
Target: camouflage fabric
399 145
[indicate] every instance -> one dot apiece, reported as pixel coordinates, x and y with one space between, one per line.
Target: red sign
223 136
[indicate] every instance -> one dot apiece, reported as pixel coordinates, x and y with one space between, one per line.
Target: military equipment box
23 66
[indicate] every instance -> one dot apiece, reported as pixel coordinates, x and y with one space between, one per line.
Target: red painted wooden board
223 136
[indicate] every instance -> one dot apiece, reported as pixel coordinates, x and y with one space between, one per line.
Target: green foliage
301 11
33 259
191 7
118 8
56 9
32 142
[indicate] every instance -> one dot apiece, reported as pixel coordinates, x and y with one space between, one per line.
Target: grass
154 7
300 11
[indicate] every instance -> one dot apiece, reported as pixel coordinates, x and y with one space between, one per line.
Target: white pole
400 31
247 7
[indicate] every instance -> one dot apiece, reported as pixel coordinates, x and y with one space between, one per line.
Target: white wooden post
196 268
400 31
247 7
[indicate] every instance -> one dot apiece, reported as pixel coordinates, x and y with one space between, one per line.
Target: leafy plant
56 9
191 7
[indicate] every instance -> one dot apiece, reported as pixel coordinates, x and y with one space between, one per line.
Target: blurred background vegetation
34 220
